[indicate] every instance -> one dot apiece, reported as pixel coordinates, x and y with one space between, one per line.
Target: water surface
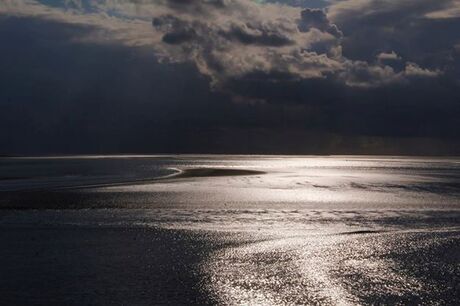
268 230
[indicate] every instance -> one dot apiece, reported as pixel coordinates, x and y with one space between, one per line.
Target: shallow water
311 230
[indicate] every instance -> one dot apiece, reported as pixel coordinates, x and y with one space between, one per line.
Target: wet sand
210 172
81 197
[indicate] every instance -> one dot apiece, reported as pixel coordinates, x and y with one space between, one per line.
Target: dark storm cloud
60 96
302 3
241 37
242 34
229 76
314 18
196 5
226 38
179 31
424 32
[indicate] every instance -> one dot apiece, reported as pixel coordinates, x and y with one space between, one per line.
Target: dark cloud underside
208 76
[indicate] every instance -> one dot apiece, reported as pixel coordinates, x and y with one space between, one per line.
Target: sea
230 230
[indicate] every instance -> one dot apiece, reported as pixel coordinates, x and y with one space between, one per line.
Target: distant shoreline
217 155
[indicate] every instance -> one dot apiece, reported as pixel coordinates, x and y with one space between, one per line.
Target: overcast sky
230 76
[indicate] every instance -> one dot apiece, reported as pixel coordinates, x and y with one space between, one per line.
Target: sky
230 76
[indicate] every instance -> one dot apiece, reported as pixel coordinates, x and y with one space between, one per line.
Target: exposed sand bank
210 172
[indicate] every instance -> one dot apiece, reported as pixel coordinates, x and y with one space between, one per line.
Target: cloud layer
240 38
228 39
352 68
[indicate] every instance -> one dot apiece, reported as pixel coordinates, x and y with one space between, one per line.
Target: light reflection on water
324 270
312 230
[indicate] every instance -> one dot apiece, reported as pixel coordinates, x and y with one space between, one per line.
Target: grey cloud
253 35
228 39
414 70
315 18
196 5
450 9
373 27
112 97
390 56
242 37
302 3
180 31
361 74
